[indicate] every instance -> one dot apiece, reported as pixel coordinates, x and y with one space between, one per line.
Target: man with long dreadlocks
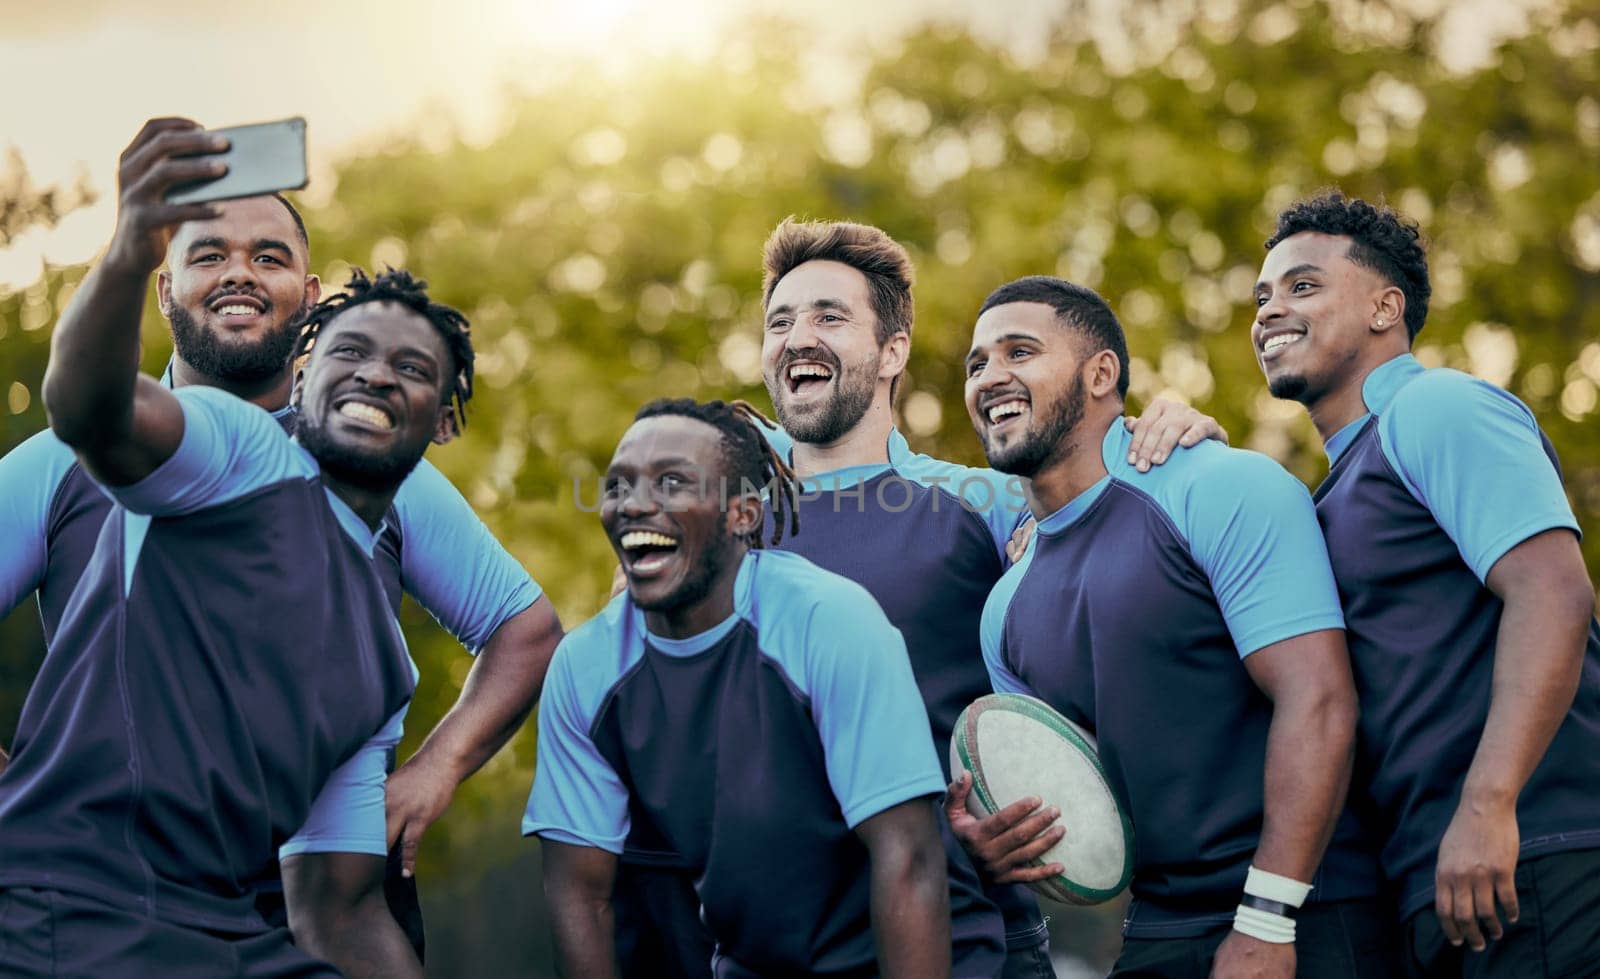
234 288
751 714
229 663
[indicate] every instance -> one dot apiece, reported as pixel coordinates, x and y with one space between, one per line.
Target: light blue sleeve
991 628
866 706
348 814
452 565
994 497
1253 529
1471 453
229 448
30 474
577 797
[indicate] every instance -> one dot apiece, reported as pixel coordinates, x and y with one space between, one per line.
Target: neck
697 617
369 504
864 445
1345 401
271 394
1076 466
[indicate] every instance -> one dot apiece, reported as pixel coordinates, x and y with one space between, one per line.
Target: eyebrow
1300 269
1000 341
824 303
259 245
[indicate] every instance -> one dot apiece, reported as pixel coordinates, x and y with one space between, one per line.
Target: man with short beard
755 718
233 288
229 653
1186 617
1470 613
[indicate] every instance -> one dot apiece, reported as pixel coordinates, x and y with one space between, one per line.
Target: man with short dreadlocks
234 289
750 715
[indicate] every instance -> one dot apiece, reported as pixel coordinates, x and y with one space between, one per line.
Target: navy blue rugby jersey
750 753
1131 613
1444 476
926 538
227 648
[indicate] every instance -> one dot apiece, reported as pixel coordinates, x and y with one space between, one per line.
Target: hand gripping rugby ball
1018 746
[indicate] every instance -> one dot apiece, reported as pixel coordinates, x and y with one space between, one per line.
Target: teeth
1281 340
365 413
233 309
647 538
809 370
1006 410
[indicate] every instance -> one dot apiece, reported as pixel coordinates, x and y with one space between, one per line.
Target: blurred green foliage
606 246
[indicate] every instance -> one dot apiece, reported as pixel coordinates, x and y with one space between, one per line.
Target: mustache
221 294
821 355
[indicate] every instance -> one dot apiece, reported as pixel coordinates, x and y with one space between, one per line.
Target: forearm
94 355
1310 751
494 703
911 913
1537 663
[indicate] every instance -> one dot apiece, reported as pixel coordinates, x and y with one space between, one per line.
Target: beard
703 575
350 465
1289 387
243 362
1050 440
830 421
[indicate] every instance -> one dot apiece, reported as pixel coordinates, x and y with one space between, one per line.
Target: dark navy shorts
1556 936
1336 940
51 934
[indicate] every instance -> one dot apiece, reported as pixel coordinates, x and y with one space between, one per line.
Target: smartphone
261 159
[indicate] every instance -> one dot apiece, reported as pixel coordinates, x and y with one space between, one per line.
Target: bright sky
78 77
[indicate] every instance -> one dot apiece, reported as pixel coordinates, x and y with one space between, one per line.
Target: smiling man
752 716
234 287
1226 721
183 727
1470 614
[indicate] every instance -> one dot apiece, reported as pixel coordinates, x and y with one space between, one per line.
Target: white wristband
1275 887
1264 925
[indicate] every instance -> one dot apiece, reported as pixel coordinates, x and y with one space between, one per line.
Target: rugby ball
1018 746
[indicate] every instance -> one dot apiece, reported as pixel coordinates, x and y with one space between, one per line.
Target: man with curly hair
1469 612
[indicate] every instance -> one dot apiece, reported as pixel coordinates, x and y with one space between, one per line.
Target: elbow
63 410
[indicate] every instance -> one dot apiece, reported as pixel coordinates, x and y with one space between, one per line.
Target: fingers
154 128
1458 917
1204 427
1027 875
955 797
1487 918
1142 447
165 146
1505 887
408 851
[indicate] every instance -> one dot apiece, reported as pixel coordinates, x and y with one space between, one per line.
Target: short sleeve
229 448
452 565
30 475
992 628
577 797
348 815
1253 529
867 709
993 497
1473 455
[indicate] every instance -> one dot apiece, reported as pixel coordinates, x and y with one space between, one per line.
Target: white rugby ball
1018 746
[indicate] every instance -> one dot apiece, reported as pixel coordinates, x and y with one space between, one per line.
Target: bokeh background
592 183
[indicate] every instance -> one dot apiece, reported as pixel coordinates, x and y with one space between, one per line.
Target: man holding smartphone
233 291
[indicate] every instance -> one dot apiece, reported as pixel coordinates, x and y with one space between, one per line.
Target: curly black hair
1380 239
398 286
748 456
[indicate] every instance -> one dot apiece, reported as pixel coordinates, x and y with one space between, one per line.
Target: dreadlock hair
398 286
748 458
1380 239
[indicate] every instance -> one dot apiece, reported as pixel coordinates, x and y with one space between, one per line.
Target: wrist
1268 906
1485 797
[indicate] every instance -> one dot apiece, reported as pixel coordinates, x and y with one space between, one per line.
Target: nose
638 500
802 335
1270 308
375 373
239 271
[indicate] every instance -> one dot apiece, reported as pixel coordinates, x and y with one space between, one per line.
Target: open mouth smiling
366 414
807 376
646 552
